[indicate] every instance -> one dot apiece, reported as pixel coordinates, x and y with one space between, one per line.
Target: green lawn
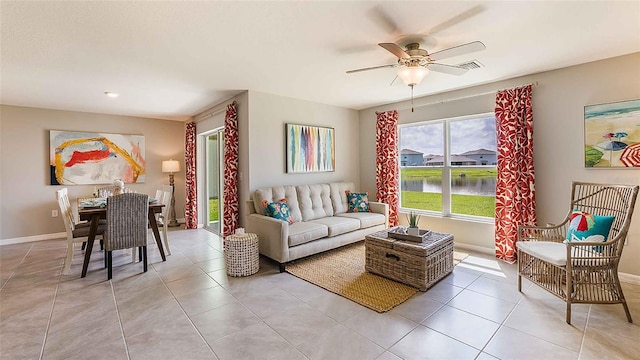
476 205
411 174
213 210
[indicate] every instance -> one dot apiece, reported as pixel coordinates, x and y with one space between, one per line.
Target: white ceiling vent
473 64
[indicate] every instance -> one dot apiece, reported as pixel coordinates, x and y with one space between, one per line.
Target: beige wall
26 196
558 106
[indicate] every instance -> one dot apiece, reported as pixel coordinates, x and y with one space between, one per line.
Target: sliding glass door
214 179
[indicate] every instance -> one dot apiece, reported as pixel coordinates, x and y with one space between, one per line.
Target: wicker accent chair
126 225
580 271
76 232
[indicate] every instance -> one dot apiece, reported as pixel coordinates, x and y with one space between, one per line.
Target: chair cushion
367 219
82 231
303 232
338 225
551 252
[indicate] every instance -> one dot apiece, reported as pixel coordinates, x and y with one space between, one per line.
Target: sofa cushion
367 219
314 201
357 202
303 232
278 210
339 197
275 193
338 225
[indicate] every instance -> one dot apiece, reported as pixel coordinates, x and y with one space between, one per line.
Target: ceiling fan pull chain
411 98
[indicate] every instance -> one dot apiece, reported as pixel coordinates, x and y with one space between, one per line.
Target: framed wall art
310 148
78 158
612 135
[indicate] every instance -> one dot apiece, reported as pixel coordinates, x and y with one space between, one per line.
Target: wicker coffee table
420 265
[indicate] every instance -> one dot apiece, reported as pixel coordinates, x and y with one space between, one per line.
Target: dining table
94 214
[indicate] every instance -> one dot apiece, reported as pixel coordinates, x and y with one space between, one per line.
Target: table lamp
171 166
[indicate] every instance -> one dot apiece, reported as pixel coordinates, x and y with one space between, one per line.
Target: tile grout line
53 304
16 268
115 303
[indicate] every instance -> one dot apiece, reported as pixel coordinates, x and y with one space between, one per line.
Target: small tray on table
399 234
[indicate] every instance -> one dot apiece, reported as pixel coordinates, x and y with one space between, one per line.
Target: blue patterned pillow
358 202
278 210
583 225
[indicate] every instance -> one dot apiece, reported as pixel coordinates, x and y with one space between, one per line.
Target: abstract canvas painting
612 135
310 148
78 158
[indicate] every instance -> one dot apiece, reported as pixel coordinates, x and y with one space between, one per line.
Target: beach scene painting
79 158
310 148
612 135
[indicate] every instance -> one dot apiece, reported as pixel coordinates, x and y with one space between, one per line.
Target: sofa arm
380 208
273 235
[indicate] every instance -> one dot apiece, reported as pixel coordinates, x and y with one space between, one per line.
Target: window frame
446 169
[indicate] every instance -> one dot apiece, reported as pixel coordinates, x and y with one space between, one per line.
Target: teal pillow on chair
278 210
583 225
358 202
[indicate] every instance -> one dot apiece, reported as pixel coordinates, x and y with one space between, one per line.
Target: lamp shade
170 166
412 75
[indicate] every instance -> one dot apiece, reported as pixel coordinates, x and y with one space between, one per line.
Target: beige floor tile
255 342
210 265
417 308
484 306
166 342
340 343
497 289
388 356
425 343
383 329
460 278
462 326
297 287
336 307
300 323
509 343
191 284
201 301
224 320
200 353
179 272
268 302
442 292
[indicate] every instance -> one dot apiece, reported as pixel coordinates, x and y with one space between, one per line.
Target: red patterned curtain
231 215
191 204
515 190
387 162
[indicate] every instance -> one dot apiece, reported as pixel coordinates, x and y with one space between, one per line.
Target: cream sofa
320 220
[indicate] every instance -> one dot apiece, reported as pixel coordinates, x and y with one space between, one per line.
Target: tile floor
187 308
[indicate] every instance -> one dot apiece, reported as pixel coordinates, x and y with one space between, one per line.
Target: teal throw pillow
358 202
582 225
278 210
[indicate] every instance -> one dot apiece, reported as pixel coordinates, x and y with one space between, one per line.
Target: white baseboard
476 248
26 239
629 278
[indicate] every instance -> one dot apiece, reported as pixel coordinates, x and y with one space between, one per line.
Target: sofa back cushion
275 194
339 196
314 201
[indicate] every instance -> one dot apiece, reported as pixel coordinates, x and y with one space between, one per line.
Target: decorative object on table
416 264
310 148
118 187
612 135
413 218
171 166
241 253
80 158
401 233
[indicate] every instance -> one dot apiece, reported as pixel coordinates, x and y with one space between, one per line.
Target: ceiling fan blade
447 69
457 19
380 17
395 50
457 50
372 68
394 80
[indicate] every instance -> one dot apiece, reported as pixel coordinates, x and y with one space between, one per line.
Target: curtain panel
191 203
515 187
230 211
387 188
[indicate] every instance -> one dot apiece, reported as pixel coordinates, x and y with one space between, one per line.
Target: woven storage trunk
420 265
241 254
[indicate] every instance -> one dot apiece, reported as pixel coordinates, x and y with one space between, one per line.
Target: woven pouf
241 254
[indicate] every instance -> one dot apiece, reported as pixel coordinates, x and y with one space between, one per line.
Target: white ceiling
172 60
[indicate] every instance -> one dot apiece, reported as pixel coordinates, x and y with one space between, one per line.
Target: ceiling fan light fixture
412 75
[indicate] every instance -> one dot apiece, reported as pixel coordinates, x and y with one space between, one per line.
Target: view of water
460 185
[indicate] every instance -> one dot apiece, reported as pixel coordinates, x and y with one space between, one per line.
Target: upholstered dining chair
76 232
577 260
126 226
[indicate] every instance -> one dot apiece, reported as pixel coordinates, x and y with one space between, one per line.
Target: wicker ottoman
420 265
241 254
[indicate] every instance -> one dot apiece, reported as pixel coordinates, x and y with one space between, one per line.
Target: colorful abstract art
79 158
310 148
612 135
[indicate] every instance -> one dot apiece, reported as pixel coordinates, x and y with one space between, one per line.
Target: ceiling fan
415 63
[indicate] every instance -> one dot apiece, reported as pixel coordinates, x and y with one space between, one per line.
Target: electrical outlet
54 213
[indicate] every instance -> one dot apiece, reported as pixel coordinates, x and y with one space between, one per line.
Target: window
457 174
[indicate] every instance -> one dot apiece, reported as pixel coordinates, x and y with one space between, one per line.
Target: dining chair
126 226
164 219
577 260
76 232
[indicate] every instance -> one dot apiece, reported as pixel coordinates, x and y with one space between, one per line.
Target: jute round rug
341 271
